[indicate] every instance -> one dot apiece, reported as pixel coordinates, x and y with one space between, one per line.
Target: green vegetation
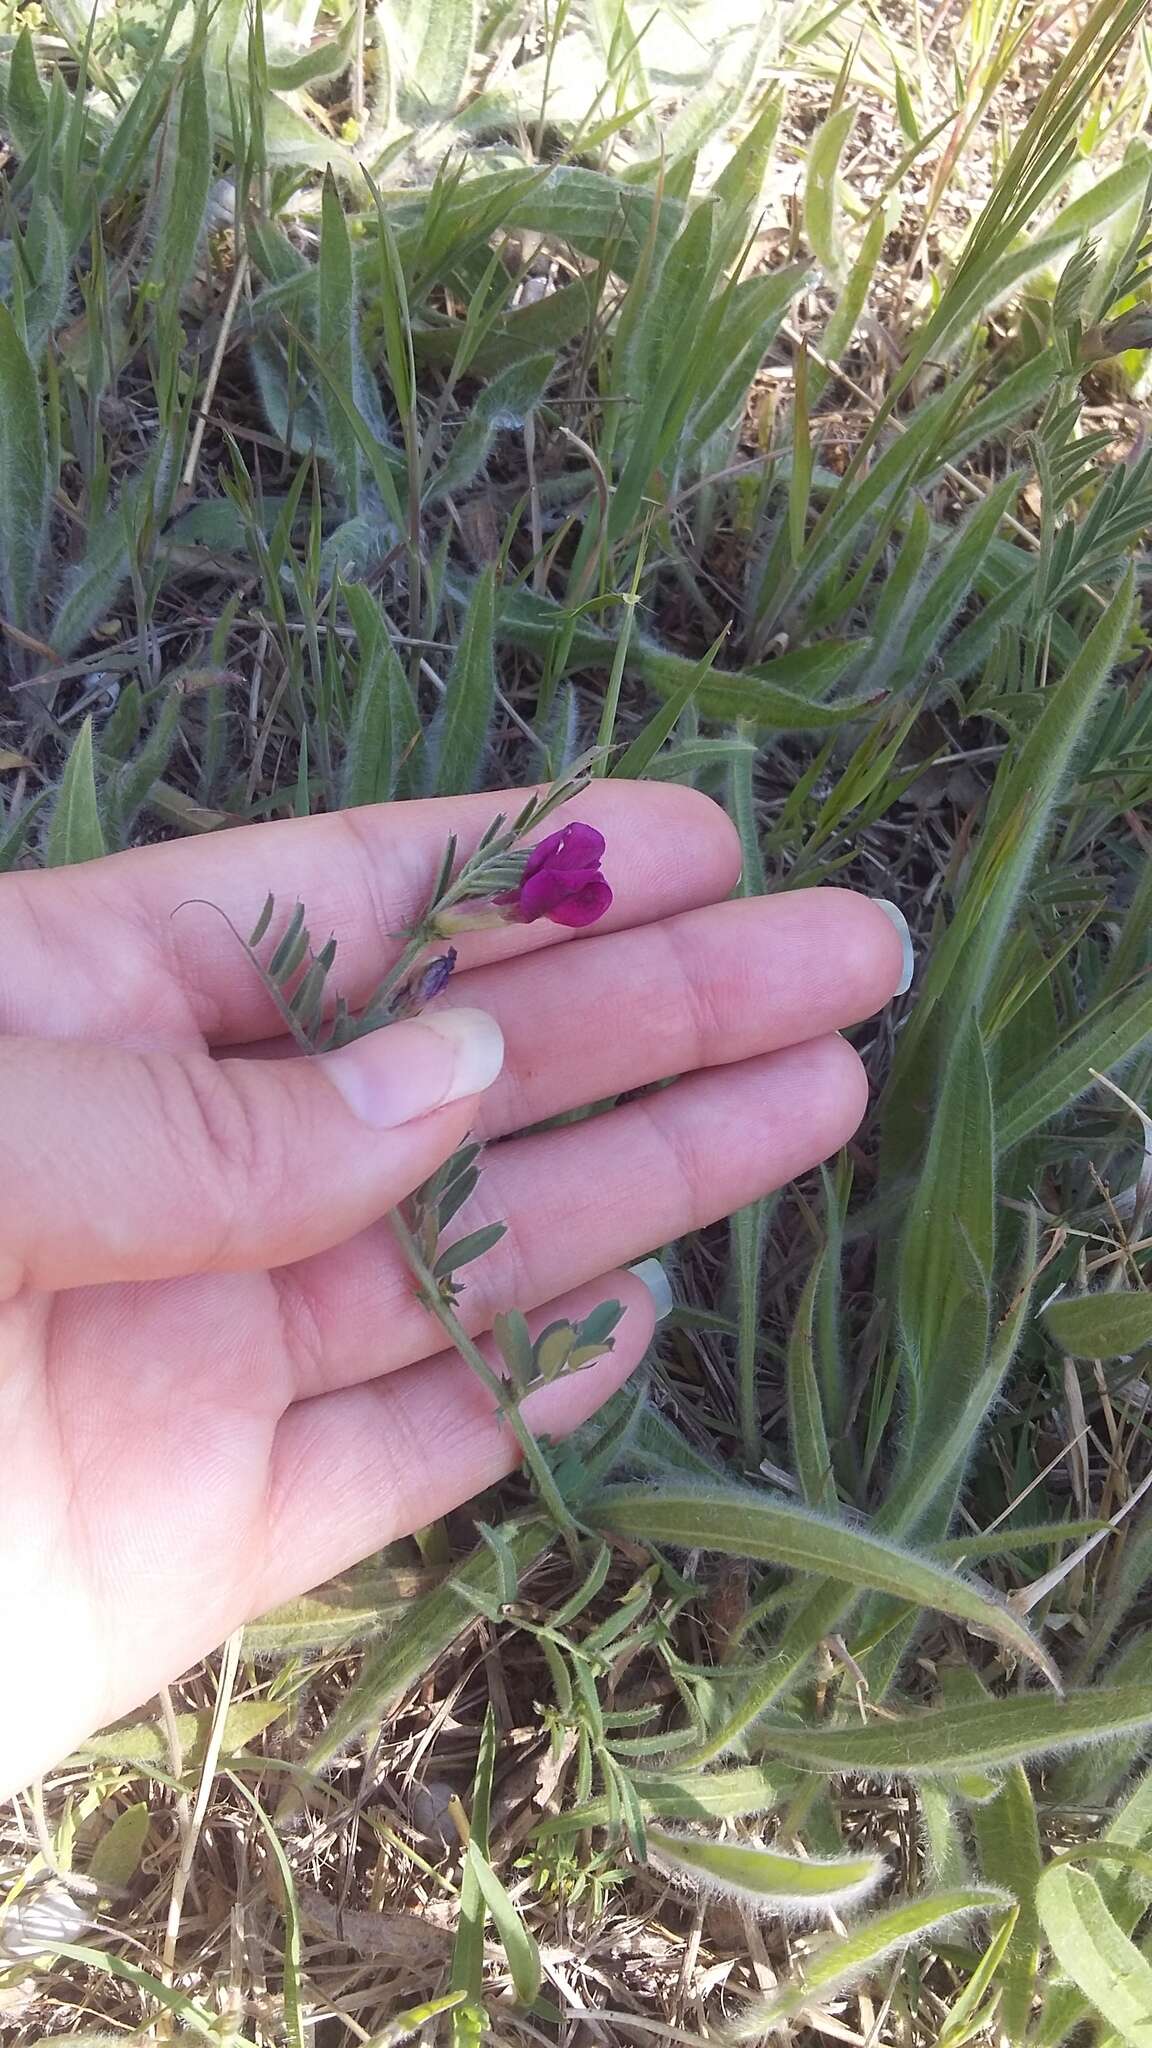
406 403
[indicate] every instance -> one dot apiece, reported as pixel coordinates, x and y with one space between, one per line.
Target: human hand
216 1385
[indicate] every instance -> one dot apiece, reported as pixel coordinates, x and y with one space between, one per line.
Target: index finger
95 951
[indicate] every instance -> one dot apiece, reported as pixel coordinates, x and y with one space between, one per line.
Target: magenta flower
562 881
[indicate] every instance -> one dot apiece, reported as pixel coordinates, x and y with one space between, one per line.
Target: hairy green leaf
24 496
765 1879
823 165
754 1525
75 832
1101 1325
843 1959
146 1742
1097 1955
973 1735
461 736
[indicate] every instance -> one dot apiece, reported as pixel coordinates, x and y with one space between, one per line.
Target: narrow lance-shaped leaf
24 467
336 338
1022 805
502 406
437 72
75 832
25 101
844 1959
749 1525
751 321
927 1473
385 734
824 153
949 1238
851 302
1008 1842
784 695
425 1631
48 256
147 1742
1096 1953
715 105
469 696
974 1735
953 581
688 1795
807 1434
517 1940
187 179
337 1614
1101 1043
766 1879
116 1858
92 585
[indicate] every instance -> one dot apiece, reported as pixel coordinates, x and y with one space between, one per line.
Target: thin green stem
630 600
534 1458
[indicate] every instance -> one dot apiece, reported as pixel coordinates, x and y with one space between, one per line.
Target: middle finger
703 989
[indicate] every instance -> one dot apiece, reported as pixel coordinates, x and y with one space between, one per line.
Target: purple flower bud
436 976
561 881
420 988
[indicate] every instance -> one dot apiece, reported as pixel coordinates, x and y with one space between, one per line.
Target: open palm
216 1384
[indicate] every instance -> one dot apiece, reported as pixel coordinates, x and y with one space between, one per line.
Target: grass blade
468 1949
517 1940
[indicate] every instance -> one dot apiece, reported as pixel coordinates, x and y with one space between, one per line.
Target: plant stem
534 1457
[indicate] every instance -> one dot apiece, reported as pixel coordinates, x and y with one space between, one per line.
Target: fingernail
651 1273
896 916
393 1076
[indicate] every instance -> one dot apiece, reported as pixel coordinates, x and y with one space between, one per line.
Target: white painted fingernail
896 916
656 1280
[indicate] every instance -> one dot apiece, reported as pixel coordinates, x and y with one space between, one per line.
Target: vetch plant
503 881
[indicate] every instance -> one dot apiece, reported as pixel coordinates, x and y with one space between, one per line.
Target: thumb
146 1165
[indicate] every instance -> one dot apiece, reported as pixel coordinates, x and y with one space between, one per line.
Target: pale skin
216 1385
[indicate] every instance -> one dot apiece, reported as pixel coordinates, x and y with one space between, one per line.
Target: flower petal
581 846
585 907
542 854
540 895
